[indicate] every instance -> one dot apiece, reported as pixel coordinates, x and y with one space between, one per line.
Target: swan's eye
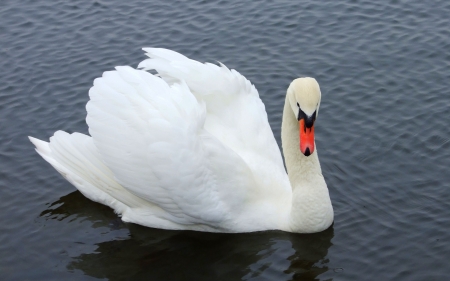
298 105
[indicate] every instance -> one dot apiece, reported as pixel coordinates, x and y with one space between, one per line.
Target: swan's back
190 150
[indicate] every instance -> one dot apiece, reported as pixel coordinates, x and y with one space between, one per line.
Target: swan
190 148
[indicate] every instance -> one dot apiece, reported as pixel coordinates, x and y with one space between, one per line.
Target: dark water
382 133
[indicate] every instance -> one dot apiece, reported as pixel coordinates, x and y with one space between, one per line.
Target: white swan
192 149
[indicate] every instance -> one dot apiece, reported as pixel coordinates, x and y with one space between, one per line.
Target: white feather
190 149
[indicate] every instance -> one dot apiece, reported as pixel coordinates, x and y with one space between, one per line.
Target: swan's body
194 150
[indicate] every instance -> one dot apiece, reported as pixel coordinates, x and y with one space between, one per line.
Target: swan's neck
311 206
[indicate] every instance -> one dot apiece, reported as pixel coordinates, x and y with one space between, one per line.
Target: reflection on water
154 254
75 206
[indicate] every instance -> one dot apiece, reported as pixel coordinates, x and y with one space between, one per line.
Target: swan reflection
154 254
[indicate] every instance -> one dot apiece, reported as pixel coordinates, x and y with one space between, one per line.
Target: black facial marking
309 120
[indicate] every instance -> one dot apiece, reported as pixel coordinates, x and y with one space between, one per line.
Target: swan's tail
76 158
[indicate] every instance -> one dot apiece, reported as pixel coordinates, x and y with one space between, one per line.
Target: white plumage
190 149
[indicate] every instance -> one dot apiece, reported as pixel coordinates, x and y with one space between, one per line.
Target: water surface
382 135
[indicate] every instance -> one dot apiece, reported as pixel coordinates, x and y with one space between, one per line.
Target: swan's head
304 98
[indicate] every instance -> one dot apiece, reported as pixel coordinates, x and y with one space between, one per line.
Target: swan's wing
152 137
234 114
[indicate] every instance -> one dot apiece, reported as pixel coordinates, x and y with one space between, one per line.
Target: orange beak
306 138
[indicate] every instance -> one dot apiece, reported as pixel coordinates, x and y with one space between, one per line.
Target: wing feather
235 114
188 148
151 135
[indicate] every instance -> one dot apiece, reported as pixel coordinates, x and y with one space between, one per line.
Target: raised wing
152 136
234 114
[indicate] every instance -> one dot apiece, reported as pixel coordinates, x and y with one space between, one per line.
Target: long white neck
311 206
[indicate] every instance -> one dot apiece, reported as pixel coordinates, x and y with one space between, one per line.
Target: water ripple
382 133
